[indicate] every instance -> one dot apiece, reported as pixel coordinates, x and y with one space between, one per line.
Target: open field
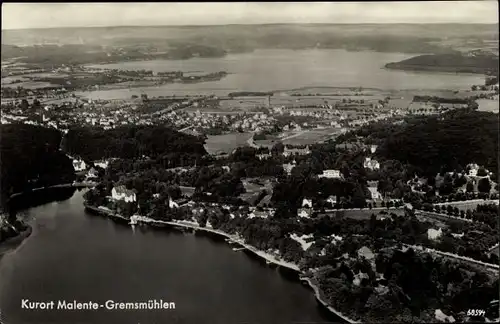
312 136
488 105
243 103
226 143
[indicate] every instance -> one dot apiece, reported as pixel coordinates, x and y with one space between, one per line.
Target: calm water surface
265 70
74 255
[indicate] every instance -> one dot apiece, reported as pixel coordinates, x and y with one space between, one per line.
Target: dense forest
31 158
170 146
449 63
433 144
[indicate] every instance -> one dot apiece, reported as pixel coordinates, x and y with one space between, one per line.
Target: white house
288 168
79 165
122 193
306 203
433 234
92 173
263 156
371 164
473 169
304 212
172 204
332 200
330 174
375 195
366 253
372 188
101 164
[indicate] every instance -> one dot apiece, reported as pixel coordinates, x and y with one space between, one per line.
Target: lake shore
232 239
62 185
12 243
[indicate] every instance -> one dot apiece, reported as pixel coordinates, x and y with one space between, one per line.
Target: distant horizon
28 16
248 24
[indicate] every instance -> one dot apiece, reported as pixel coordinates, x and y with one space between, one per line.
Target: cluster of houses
91 173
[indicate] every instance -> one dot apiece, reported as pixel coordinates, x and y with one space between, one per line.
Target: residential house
373 148
263 156
79 165
258 214
122 193
473 168
172 204
289 167
331 174
93 173
433 234
299 151
371 164
366 253
372 188
304 212
332 200
101 164
306 203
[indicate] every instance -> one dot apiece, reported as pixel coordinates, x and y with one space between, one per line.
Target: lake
265 70
72 255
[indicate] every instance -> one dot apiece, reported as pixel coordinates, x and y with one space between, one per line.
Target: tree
481 172
24 104
470 187
484 185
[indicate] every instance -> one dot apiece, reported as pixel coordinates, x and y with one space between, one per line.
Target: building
372 188
289 167
306 203
373 148
304 212
92 173
331 174
79 165
299 151
332 200
122 193
433 234
473 168
371 164
172 204
263 156
366 253
101 164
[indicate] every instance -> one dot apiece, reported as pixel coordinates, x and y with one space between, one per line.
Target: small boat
238 249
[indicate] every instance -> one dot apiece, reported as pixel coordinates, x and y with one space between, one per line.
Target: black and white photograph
249 162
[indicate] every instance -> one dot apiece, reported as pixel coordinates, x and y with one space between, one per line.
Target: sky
49 15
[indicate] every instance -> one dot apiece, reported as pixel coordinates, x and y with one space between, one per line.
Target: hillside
433 144
181 42
134 142
31 159
483 64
